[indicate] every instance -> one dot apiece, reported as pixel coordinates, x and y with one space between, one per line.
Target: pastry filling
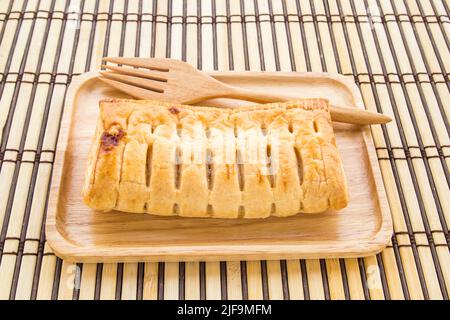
110 140
174 110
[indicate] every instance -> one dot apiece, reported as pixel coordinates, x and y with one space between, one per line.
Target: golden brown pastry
276 159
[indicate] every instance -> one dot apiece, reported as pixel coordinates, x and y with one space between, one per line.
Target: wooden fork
179 82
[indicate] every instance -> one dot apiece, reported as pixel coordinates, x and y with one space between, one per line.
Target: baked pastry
276 159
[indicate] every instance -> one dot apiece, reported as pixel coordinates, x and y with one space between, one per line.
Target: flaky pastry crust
277 159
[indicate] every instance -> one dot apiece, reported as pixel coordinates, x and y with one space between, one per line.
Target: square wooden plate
77 233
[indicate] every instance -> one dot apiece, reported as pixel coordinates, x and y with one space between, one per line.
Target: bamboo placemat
396 51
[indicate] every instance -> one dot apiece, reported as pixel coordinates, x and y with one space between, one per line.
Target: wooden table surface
396 51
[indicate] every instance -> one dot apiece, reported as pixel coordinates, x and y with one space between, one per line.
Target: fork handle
338 113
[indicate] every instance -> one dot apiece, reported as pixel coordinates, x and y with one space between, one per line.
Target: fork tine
138 82
132 90
138 62
136 72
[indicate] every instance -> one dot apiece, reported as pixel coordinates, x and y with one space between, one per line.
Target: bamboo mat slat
397 52
150 287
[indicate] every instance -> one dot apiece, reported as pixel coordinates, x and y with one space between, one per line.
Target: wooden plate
80 234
